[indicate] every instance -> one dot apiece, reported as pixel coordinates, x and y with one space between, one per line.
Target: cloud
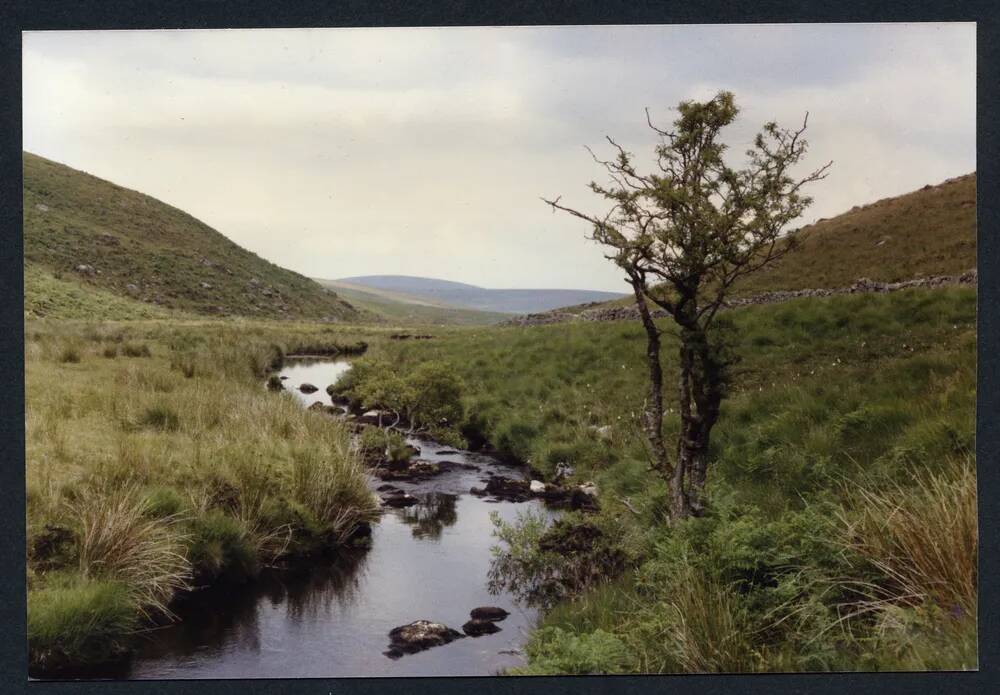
424 151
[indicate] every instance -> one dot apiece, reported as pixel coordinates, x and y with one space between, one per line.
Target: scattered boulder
564 470
132 288
85 269
308 388
418 636
41 207
360 536
537 486
508 489
328 409
399 499
403 470
387 488
488 613
477 628
205 285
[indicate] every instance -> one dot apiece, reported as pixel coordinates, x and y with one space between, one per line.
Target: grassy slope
402 309
46 296
931 231
73 219
832 394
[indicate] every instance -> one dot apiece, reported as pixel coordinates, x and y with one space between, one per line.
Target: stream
332 618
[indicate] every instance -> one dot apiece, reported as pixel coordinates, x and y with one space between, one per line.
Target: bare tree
684 234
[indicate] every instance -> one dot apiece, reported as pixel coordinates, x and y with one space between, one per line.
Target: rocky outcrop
477 628
418 636
488 613
861 285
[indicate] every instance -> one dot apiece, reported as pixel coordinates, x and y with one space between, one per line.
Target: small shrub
135 350
554 652
543 564
110 352
220 548
162 502
160 417
69 355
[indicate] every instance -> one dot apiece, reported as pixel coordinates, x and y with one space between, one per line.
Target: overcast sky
339 152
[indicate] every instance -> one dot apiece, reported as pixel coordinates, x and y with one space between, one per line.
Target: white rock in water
589 489
537 486
370 413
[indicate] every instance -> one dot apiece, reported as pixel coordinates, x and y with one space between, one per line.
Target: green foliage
426 394
543 563
555 652
79 621
220 549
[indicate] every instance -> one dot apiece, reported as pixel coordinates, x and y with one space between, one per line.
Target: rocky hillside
82 230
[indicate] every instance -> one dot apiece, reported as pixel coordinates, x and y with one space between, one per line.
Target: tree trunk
653 413
702 387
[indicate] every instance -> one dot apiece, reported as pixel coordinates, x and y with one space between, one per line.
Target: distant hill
82 231
457 294
401 308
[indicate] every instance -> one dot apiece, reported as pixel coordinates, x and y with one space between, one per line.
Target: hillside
931 231
398 307
82 230
457 294
925 233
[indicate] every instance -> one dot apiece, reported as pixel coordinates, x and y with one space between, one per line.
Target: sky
342 152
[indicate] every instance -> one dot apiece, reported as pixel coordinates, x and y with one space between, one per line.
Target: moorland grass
849 419
170 464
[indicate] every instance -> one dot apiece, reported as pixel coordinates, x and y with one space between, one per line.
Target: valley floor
842 529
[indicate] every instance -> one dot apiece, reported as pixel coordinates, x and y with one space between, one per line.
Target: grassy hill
401 308
931 231
82 230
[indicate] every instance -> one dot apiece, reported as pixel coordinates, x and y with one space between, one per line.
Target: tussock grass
923 540
120 542
179 467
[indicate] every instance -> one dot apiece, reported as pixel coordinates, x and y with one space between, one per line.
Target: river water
332 618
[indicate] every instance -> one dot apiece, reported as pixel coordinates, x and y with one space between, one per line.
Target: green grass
170 464
836 400
86 620
46 296
170 259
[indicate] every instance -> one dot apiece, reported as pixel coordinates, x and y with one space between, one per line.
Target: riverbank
843 409
157 462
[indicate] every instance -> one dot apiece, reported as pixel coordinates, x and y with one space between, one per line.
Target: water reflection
429 518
